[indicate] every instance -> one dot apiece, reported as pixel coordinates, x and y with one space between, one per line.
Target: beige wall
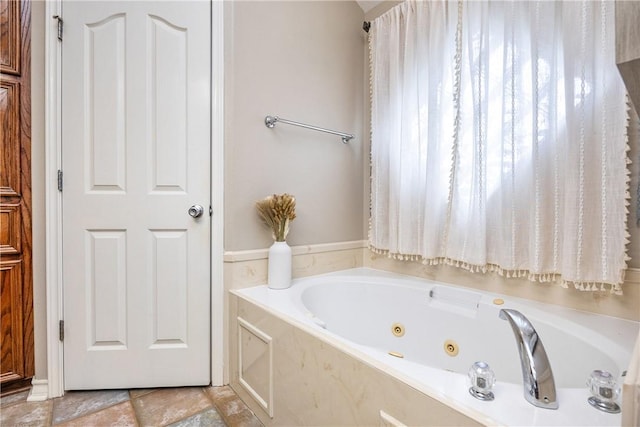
302 61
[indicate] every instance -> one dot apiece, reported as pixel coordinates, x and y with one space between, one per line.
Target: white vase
279 270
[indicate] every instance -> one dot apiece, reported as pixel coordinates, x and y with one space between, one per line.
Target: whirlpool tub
363 347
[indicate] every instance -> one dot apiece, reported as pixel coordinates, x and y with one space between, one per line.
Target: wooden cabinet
16 277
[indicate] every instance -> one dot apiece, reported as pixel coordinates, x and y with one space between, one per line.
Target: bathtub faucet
537 378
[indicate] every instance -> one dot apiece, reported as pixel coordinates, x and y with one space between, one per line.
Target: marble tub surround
631 390
249 268
314 383
278 345
185 406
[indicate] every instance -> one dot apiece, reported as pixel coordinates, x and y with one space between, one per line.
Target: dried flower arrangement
277 211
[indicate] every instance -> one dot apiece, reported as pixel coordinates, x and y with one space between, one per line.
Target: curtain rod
270 122
366 25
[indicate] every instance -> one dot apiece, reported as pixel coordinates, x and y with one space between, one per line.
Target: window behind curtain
499 139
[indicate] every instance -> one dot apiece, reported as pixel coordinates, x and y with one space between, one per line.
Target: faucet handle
605 391
482 381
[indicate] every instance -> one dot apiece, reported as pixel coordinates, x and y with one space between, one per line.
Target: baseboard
39 391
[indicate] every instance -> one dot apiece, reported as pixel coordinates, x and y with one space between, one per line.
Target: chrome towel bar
270 122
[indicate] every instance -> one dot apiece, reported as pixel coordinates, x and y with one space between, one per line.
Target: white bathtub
355 310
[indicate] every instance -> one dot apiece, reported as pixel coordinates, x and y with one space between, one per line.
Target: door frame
53 197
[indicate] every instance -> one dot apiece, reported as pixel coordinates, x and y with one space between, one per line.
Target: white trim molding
218 348
53 198
39 391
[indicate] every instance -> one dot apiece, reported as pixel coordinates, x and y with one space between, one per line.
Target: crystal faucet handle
603 385
605 391
482 381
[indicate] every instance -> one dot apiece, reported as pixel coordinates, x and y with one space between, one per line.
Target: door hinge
59 180
60 26
61 330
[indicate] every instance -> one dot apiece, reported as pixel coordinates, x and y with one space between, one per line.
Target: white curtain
499 139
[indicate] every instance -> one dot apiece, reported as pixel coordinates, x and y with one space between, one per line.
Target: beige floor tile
121 415
32 414
14 398
232 409
208 418
243 419
231 406
76 404
178 407
218 393
166 406
137 392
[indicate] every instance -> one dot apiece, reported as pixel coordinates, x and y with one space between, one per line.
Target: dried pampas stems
277 211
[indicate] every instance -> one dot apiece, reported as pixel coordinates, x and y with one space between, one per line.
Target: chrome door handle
196 210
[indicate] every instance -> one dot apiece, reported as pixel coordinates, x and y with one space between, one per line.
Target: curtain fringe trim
627 198
613 288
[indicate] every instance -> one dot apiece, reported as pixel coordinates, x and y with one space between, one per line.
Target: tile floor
176 407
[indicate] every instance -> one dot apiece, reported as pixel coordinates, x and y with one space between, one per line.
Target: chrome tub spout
537 378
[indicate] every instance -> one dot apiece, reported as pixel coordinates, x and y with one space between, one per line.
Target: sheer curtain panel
499 139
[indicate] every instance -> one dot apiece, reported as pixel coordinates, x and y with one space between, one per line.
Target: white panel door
136 157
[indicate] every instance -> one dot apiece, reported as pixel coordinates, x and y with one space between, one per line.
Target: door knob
196 210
